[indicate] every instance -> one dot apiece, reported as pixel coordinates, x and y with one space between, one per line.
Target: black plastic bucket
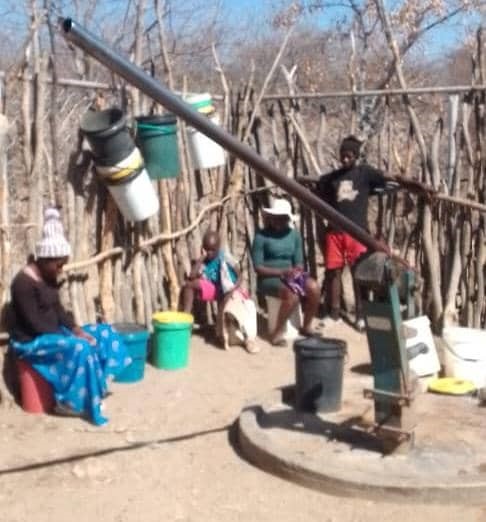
319 368
108 135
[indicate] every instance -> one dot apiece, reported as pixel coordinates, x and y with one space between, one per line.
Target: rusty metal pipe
133 74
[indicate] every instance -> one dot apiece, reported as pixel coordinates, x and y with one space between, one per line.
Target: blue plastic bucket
135 338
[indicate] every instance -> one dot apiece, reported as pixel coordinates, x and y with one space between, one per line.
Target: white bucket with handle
291 329
465 354
135 196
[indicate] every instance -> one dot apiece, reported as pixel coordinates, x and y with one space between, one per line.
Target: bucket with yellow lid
171 340
205 153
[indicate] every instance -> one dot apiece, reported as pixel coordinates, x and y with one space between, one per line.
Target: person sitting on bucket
279 263
213 277
77 362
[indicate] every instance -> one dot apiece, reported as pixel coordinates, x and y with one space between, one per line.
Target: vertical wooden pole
5 242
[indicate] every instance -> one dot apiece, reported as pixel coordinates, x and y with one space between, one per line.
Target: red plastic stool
35 392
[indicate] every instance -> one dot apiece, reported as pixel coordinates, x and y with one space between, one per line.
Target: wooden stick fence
138 269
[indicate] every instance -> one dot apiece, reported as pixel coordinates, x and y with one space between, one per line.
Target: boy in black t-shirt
347 190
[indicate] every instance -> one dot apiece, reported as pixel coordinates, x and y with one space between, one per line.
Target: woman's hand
291 272
79 332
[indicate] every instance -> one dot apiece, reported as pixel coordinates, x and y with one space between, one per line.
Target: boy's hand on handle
415 186
79 332
384 245
405 264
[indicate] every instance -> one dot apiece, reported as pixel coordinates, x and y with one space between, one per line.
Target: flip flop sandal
282 343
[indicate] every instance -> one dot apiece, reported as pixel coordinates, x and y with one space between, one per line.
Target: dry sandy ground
167 454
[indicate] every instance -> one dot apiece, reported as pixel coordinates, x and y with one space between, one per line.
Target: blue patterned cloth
77 371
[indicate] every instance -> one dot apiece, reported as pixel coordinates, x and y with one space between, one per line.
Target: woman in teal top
279 263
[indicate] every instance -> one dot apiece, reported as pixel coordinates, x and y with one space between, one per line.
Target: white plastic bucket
136 198
205 153
425 363
465 354
291 330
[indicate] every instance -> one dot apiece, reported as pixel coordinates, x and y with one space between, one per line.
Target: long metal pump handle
92 45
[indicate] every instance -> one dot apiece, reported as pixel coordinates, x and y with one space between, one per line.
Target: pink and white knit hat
53 243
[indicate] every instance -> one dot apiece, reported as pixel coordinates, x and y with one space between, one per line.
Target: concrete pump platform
333 452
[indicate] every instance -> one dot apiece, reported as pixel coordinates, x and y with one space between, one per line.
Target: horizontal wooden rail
411 91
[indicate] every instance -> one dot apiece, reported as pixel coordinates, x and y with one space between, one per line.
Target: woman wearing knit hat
76 361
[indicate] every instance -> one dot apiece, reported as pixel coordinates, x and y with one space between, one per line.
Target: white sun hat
280 207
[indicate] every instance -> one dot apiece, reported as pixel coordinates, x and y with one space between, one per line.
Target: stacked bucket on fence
205 153
119 164
127 165
157 138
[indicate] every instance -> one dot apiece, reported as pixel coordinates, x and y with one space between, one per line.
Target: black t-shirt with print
347 191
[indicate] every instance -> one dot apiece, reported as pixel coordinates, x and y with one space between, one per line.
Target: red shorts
341 249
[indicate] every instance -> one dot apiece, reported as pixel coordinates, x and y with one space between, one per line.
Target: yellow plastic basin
451 386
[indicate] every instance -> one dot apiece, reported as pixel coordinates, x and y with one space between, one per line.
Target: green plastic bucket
171 340
157 140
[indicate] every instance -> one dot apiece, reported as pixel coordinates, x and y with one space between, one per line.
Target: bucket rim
125 325
118 175
203 97
172 317
156 119
89 116
144 129
132 175
133 159
172 327
340 344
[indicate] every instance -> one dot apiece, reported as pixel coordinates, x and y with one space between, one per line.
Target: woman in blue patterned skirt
76 361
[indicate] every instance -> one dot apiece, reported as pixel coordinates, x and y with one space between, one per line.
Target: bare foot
308 332
279 341
252 347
